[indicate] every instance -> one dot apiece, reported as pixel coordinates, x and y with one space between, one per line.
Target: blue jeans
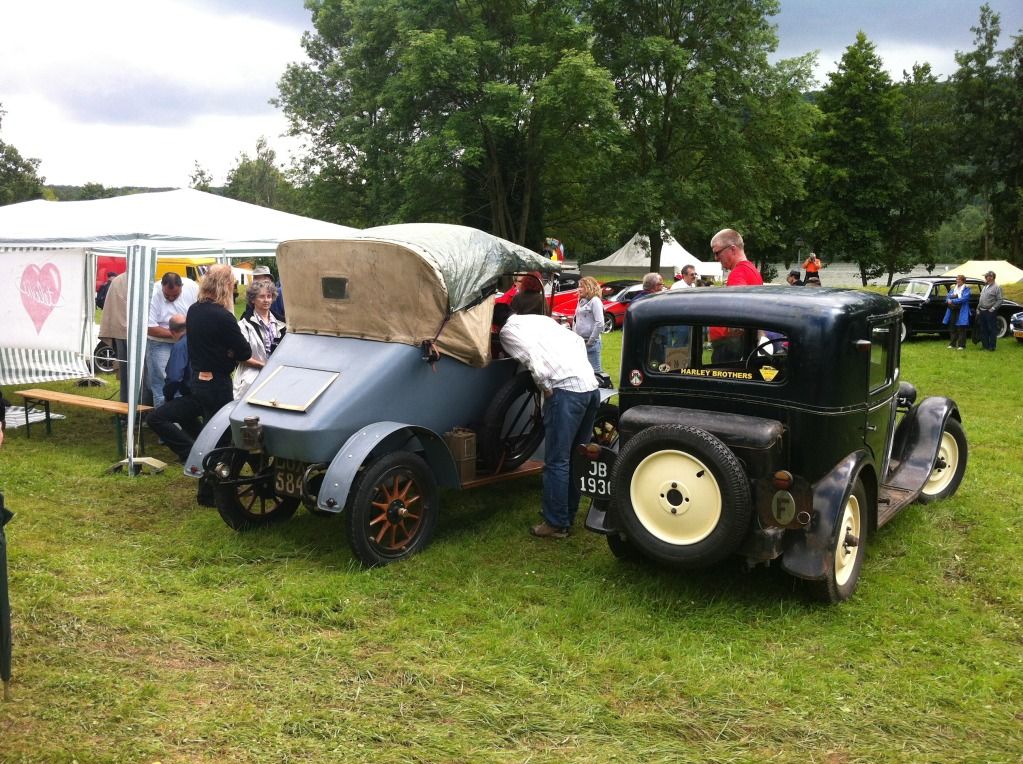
157 355
567 421
593 354
988 329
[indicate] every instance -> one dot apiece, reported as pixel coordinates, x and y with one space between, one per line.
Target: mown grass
146 630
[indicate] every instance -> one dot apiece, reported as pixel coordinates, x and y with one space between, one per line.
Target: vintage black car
923 304
771 423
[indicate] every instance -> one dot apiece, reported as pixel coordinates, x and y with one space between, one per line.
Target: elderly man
687 278
172 296
557 361
652 284
987 310
729 250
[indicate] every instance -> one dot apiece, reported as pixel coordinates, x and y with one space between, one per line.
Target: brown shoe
545 531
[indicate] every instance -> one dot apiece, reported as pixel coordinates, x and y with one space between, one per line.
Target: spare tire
512 425
681 495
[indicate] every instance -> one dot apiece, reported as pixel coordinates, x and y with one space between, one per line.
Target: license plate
288 477
593 476
1016 333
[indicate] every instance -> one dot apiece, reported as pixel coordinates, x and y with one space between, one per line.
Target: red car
564 305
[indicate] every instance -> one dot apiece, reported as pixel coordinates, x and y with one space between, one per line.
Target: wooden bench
117 408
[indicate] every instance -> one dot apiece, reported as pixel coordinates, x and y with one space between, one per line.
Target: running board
891 500
531 467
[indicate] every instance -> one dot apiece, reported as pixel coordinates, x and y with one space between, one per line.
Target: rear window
744 353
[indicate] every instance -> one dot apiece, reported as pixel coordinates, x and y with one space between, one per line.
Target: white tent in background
141 227
1005 272
633 259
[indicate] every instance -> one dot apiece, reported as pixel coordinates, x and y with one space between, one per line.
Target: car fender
383 437
208 440
807 553
917 440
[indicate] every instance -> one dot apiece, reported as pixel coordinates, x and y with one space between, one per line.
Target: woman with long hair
215 343
261 330
589 320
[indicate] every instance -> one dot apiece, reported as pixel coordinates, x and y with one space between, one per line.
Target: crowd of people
198 355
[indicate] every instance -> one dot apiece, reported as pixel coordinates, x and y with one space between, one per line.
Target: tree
923 163
19 177
716 136
201 180
259 181
859 150
975 85
486 112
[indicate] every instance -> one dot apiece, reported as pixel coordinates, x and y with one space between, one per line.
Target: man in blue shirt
177 420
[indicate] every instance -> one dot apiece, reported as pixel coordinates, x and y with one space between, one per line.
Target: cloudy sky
134 92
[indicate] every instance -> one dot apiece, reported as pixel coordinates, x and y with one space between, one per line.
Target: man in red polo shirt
729 250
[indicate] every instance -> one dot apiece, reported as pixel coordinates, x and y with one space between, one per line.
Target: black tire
246 502
667 467
1001 327
104 358
609 323
513 425
850 547
393 509
949 464
605 426
622 548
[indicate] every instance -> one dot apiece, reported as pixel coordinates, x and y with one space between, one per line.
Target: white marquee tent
49 248
1005 272
633 259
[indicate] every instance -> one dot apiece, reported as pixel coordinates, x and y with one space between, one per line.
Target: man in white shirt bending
556 358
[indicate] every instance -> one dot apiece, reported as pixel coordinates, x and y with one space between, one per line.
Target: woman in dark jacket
215 343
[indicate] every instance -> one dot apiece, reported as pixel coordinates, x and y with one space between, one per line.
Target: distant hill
96 191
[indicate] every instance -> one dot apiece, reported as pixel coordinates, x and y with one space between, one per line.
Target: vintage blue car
770 423
388 384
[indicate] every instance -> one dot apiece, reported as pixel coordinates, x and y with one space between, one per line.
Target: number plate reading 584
595 480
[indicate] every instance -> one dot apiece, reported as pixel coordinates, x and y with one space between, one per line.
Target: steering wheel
748 363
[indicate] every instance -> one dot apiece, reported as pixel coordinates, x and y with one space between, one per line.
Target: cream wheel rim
848 541
944 468
676 497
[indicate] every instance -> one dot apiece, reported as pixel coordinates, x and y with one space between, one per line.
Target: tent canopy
141 226
633 259
1005 272
183 219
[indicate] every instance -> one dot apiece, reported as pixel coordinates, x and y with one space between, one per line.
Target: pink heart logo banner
40 291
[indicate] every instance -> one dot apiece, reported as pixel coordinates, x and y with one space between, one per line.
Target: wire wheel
512 425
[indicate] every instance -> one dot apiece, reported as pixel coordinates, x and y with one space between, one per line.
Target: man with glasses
987 310
687 278
728 249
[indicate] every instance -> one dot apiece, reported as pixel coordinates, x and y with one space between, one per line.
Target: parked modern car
788 437
366 411
611 288
923 304
616 305
1016 326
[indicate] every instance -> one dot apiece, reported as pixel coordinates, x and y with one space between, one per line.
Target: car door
879 426
935 306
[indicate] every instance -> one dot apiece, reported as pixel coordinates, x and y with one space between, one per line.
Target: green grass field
146 630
